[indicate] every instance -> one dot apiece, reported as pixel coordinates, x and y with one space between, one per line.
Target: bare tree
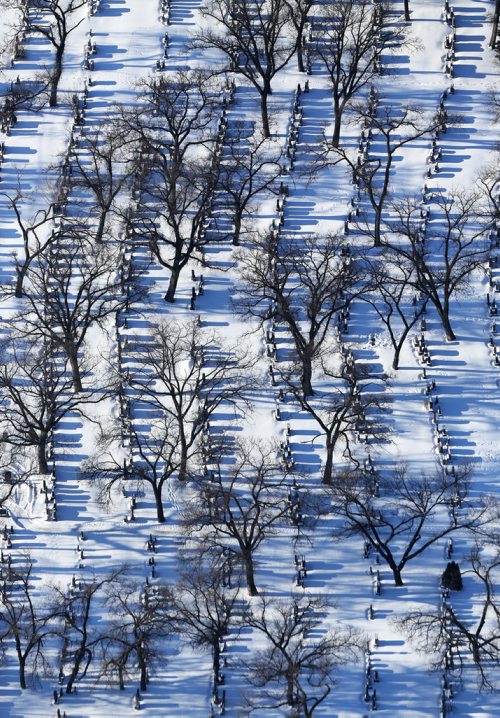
391 286
137 630
28 95
104 165
154 460
241 506
489 182
191 377
299 16
24 622
56 21
175 207
35 235
15 471
250 166
75 609
301 283
351 37
203 609
36 389
392 128
256 38
176 133
72 289
440 266
341 410
179 113
400 515
296 667
460 630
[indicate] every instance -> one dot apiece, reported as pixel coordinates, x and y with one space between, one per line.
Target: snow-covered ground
128 34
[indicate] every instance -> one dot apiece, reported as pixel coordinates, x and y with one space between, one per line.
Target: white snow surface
128 35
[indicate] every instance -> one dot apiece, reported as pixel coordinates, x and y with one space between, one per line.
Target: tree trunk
160 514
306 377
74 671
182 473
396 572
328 470
22 673
398 348
216 661
75 369
450 334
476 655
300 58
182 467
41 451
494 30
121 681
264 113
100 227
336 126
395 359
377 227
378 201
237 228
56 75
172 285
407 10
144 673
249 574
21 274
289 688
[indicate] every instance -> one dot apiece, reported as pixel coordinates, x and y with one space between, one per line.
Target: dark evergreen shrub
451 577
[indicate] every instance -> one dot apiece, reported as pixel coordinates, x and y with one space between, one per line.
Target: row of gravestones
218 702
430 389
223 132
292 134
122 345
270 327
207 224
75 588
493 282
372 677
57 247
420 346
8 117
449 679
6 561
295 124
79 107
20 38
197 291
165 8
125 346
123 342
